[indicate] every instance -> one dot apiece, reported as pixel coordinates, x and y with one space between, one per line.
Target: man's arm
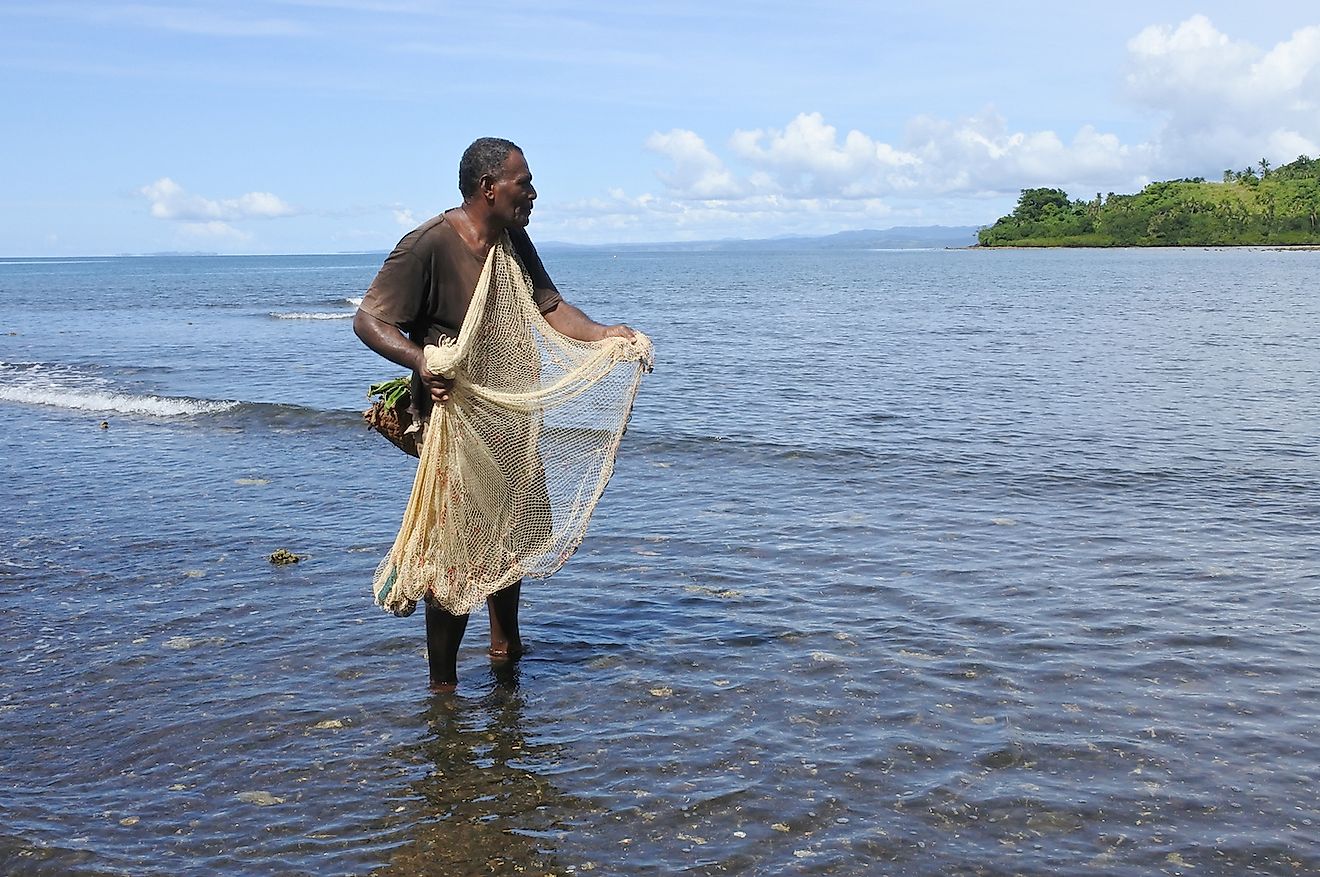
566 319
386 339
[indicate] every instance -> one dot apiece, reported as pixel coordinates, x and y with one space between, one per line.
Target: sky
321 126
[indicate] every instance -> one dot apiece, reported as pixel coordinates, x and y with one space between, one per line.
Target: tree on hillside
1305 203
1035 204
1302 169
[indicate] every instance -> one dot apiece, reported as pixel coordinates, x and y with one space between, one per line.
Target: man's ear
486 185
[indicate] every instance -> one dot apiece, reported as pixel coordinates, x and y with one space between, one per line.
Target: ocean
916 562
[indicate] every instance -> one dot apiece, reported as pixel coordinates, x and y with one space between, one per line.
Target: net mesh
511 468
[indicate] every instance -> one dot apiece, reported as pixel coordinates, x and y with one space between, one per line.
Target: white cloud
1226 102
169 200
696 172
808 160
619 217
981 155
808 178
806 157
404 218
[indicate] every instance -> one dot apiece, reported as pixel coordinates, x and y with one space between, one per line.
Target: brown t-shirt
425 286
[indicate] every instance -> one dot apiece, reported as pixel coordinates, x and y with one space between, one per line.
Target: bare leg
505 638
444 633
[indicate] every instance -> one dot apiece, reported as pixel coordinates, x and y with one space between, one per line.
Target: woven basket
392 421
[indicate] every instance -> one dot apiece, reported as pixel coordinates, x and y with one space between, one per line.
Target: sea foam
312 315
62 387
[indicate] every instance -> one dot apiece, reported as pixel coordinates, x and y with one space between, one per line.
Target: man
421 295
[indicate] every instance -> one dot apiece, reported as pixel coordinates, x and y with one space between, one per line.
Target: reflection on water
485 803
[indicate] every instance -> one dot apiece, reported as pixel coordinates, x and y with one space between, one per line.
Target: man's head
485 157
495 181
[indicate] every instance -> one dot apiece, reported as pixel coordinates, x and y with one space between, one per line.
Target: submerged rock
283 557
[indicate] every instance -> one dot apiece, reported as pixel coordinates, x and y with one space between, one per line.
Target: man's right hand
439 385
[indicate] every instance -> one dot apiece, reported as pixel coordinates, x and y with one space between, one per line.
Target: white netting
512 466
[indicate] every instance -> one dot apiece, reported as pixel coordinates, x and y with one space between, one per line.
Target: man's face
513 192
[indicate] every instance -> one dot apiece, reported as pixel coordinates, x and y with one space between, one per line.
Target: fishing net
511 468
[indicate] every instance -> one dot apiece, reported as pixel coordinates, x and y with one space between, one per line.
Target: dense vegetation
1260 205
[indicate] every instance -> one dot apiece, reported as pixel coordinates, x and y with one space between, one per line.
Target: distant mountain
170 254
901 238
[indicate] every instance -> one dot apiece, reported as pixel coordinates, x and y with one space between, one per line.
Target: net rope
513 465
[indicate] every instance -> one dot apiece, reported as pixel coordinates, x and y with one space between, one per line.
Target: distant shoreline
745 246
1266 247
897 237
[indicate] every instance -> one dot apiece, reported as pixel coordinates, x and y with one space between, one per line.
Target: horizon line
548 243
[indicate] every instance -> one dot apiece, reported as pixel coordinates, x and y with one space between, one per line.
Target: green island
1257 206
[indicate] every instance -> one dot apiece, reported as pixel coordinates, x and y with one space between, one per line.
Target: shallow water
914 563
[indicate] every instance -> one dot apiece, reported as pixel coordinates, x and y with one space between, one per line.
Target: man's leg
444 633
505 639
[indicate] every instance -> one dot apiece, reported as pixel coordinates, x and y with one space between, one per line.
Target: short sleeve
544 292
398 293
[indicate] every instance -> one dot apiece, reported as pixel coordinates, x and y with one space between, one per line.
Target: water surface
914 563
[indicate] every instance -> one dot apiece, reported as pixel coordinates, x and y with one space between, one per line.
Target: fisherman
421 296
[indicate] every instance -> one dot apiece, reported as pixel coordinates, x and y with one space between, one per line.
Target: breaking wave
65 387
313 315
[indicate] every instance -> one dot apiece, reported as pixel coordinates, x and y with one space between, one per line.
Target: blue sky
288 126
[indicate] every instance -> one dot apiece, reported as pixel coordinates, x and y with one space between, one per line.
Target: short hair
486 155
